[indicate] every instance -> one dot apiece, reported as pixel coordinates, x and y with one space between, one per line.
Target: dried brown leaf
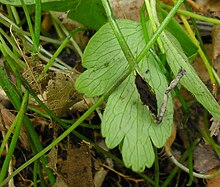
6 119
61 93
82 105
32 73
215 127
205 158
52 159
60 182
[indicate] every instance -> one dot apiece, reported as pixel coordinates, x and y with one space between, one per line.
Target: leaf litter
60 92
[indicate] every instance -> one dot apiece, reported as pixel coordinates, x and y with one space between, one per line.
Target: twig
172 85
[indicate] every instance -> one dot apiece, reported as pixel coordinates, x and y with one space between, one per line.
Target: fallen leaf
61 93
52 159
215 127
205 159
6 119
60 182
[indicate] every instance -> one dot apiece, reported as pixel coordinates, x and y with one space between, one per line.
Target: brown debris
78 167
6 119
61 93
216 48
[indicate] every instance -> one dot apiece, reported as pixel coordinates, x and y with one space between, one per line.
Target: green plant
126 121
118 50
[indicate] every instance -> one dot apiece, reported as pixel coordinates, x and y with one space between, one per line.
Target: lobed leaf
126 120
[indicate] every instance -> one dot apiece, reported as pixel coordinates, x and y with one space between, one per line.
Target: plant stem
174 171
159 31
29 24
200 51
37 24
190 165
121 40
15 15
14 97
193 15
17 63
151 9
7 22
61 47
198 175
196 29
56 141
18 120
76 46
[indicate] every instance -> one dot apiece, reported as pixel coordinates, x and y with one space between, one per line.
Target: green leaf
191 81
126 120
90 13
104 59
174 27
27 2
47 5
58 5
87 12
